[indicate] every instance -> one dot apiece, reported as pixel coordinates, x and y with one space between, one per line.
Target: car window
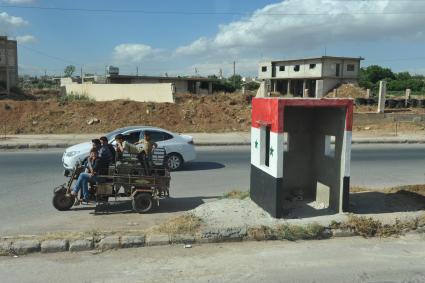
167 136
157 136
132 137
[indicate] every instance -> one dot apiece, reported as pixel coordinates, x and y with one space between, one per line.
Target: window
296 68
329 146
350 68
264 69
312 66
281 68
265 145
132 137
157 136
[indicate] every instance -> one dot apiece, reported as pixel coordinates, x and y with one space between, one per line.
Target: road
28 178
336 260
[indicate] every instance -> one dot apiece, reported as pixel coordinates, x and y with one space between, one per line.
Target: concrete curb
14 146
20 246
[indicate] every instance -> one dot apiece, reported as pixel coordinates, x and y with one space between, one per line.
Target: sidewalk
200 139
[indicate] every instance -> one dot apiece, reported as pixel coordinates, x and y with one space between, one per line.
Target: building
293 160
195 85
309 77
8 62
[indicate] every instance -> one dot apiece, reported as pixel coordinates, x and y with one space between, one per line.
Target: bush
74 97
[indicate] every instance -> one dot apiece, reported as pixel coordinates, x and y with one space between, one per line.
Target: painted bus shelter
301 150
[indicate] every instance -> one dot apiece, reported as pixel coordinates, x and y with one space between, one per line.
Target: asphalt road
337 260
27 179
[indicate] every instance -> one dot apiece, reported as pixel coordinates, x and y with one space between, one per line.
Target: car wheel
174 161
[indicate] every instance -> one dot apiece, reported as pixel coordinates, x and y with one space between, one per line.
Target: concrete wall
305 164
157 92
329 68
304 72
12 57
267 73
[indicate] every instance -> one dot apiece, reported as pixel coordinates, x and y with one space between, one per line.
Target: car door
162 139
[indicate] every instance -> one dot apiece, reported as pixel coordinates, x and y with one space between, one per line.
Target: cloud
18 1
11 21
23 39
133 52
290 26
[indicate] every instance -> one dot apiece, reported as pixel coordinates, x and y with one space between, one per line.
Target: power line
47 55
234 13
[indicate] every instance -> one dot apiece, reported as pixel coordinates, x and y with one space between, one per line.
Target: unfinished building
309 77
8 62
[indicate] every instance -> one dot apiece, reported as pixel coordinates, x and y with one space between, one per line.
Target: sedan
179 148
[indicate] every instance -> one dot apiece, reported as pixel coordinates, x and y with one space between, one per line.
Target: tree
236 80
69 70
375 73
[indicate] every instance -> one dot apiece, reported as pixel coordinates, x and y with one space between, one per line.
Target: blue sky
174 38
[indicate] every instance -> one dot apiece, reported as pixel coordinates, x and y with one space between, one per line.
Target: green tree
236 81
375 73
69 70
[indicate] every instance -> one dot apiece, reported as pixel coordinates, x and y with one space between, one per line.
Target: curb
20 246
12 146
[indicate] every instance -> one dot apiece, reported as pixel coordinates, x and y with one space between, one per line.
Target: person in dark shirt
93 166
105 144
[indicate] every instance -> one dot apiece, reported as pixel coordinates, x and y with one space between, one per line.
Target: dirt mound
190 113
347 91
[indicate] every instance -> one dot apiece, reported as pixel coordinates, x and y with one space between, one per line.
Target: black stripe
266 191
346 194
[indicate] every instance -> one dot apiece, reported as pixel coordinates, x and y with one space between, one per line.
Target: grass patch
287 232
296 232
369 227
63 99
236 195
184 224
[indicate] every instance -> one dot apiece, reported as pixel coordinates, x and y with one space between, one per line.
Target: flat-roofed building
309 77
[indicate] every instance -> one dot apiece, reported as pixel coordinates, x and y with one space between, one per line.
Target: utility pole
234 73
137 70
81 75
6 53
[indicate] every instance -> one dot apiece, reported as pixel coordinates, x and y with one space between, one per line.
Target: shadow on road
169 205
202 165
379 202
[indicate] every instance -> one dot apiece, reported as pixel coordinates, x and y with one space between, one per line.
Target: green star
271 151
256 144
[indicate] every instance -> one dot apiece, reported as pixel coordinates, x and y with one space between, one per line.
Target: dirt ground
45 113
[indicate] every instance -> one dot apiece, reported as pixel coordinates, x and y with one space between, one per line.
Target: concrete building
8 62
293 162
309 77
195 85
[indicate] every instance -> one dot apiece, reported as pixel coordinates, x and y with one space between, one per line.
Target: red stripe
269 111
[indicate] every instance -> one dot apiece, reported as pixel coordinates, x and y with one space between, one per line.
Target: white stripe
275 167
345 164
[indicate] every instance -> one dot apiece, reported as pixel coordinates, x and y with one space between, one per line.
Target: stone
132 241
93 121
343 233
54 246
223 234
157 240
182 239
110 243
81 245
21 247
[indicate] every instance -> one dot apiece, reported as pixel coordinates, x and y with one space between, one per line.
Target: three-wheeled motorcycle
144 181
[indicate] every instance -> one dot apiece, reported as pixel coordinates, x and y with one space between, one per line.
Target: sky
193 37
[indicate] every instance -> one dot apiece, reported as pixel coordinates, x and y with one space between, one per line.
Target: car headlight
71 153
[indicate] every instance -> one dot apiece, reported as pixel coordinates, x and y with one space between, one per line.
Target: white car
179 148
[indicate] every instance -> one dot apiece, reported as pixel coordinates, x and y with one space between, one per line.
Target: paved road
28 177
336 260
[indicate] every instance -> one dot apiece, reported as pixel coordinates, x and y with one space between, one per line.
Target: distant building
196 85
316 75
9 62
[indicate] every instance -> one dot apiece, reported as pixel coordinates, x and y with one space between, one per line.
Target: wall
329 68
157 92
268 73
304 72
12 60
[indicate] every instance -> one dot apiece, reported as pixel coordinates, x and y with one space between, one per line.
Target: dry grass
287 232
418 189
369 227
236 194
184 224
